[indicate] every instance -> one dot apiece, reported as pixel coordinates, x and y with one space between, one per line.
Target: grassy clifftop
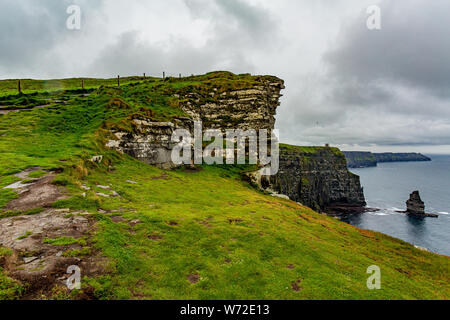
187 234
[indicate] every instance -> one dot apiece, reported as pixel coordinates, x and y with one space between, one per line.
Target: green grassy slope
202 234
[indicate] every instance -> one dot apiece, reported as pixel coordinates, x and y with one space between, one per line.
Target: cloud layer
346 85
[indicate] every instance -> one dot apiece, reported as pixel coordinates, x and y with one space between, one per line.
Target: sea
388 186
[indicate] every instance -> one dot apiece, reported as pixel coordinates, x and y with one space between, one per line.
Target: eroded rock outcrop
415 205
151 143
234 104
318 178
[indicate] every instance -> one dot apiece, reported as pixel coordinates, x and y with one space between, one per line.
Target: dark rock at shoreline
344 209
416 207
316 177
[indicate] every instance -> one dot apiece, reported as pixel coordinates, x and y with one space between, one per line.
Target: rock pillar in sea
415 205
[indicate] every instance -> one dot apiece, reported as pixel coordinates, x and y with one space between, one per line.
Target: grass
4 252
64 241
310 150
25 235
241 243
29 86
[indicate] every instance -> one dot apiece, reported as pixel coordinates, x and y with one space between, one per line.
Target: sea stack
415 205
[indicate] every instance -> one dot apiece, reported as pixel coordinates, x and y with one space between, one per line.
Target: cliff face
220 101
358 159
400 157
251 106
317 177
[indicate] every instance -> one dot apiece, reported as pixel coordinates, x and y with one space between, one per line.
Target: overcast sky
359 89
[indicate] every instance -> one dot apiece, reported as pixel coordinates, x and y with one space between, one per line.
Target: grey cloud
348 87
238 29
236 21
413 47
31 30
387 87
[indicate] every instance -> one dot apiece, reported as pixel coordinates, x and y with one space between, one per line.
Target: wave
443 212
379 214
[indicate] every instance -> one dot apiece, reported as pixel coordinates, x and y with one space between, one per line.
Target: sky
346 85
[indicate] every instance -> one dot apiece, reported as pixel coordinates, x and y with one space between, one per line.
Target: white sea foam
379 214
444 213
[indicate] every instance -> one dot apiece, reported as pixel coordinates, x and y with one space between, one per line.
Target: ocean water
389 185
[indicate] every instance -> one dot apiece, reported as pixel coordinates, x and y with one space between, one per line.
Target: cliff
358 159
317 177
220 100
400 157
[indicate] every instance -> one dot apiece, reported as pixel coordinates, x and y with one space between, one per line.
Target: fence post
144 75
118 81
164 74
82 84
19 87
180 75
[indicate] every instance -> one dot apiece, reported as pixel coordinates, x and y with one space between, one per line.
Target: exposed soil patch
117 219
206 224
163 177
155 237
173 223
231 221
191 169
40 265
296 285
36 195
193 278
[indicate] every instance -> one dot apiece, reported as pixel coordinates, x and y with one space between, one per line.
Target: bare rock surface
34 195
415 205
40 265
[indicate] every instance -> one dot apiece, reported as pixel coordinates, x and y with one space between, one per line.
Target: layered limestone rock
316 177
252 106
151 143
244 109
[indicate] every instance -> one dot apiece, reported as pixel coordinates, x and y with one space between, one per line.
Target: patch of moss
5 252
64 241
26 235
85 251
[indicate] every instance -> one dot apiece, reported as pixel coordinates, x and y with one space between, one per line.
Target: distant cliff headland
359 159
